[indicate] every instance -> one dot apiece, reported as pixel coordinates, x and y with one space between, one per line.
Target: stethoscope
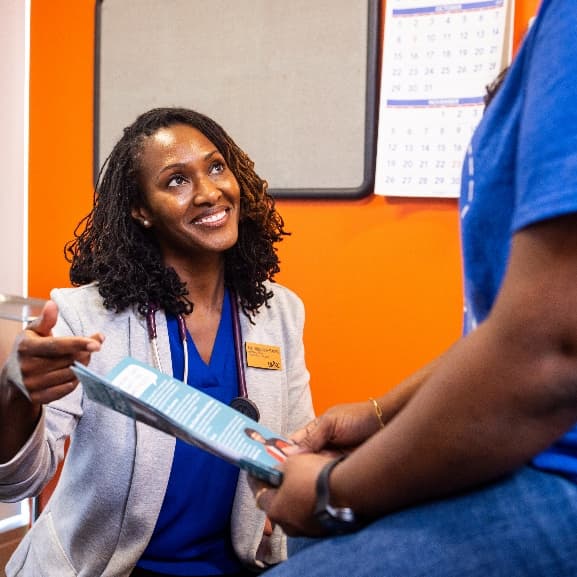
241 403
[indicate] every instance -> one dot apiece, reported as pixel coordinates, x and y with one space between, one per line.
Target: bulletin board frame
327 151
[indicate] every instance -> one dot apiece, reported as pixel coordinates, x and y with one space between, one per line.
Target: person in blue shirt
174 265
469 467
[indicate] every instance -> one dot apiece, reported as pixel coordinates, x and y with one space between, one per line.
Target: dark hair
111 248
492 88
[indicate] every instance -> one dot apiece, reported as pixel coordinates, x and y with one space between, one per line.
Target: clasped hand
339 430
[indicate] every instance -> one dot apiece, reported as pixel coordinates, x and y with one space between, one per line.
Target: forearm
18 417
346 426
394 400
486 409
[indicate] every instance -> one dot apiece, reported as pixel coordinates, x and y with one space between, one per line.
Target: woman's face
192 197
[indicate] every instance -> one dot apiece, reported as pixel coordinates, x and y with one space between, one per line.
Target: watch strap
335 520
323 491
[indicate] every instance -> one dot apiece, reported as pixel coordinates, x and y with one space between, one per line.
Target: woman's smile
213 219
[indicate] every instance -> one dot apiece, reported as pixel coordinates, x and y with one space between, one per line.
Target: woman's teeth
211 218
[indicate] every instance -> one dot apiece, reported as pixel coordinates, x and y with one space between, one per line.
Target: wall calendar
438 58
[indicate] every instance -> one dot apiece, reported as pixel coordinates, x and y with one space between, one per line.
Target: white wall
14 18
14 51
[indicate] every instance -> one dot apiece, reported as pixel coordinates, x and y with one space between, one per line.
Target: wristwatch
335 520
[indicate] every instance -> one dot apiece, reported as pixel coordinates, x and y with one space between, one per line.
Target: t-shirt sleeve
546 185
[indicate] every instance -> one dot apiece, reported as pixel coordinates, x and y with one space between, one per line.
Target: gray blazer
104 508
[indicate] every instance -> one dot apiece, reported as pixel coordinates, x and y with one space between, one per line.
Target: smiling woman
180 237
159 152
191 197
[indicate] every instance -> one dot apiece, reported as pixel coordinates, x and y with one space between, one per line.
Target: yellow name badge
263 356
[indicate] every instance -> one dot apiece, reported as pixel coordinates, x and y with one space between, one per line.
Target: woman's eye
176 180
217 167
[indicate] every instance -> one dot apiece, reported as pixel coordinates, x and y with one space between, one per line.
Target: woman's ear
139 214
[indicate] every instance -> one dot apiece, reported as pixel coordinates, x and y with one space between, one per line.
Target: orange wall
380 278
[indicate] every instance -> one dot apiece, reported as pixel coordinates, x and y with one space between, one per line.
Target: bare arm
345 426
44 362
500 396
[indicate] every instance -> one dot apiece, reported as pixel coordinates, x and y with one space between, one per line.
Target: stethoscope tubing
237 338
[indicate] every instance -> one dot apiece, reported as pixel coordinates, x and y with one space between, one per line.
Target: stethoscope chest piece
247 407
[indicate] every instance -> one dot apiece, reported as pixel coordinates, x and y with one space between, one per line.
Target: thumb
43 325
314 436
320 434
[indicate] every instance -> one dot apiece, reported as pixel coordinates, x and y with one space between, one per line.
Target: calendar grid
438 58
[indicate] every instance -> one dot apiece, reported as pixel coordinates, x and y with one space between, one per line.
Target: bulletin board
293 83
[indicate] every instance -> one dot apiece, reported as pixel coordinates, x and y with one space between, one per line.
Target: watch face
337 519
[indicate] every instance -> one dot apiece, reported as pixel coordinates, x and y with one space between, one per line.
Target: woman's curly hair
109 247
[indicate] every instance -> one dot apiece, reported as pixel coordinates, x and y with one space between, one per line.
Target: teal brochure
145 394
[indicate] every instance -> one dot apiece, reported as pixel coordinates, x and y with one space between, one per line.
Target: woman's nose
207 191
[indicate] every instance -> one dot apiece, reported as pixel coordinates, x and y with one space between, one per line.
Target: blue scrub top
192 533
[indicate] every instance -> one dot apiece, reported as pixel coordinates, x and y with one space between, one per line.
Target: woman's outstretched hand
45 360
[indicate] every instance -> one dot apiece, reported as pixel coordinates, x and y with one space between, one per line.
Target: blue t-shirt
521 168
192 533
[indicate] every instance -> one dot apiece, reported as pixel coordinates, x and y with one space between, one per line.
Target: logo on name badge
263 356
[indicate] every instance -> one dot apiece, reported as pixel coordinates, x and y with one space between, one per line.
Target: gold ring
259 494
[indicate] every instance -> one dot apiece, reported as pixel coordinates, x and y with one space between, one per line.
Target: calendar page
438 59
